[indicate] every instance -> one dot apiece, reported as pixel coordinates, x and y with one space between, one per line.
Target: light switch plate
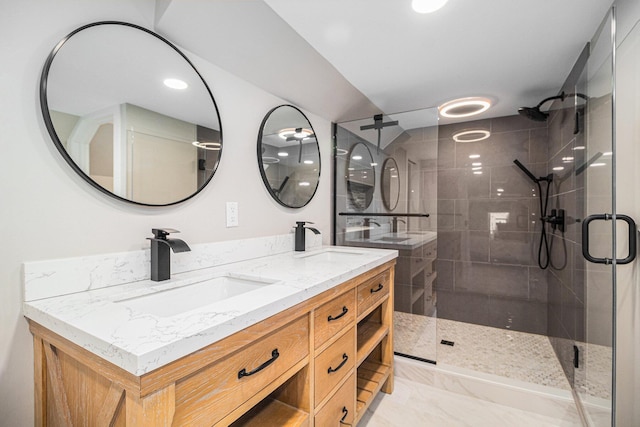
232 214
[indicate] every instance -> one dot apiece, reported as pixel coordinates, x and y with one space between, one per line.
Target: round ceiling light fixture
473 135
175 84
213 146
427 6
295 133
464 107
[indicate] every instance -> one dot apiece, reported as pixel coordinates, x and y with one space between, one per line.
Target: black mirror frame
44 105
385 198
263 174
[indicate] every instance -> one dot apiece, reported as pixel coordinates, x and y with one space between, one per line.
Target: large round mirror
390 184
131 114
289 156
361 176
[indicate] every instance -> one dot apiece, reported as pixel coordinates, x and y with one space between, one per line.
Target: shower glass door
386 197
594 284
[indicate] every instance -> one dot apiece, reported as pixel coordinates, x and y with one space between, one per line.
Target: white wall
49 212
628 202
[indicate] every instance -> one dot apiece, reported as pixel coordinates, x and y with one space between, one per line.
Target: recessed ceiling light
283 154
567 159
474 156
308 162
578 147
464 107
427 6
175 84
473 135
477 172
558 168
356 157
213 146
477 169
595 165
500 190
304 184
607 153
374 164
476 164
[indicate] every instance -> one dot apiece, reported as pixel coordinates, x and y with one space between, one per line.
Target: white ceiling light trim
473 135
464 107
427 6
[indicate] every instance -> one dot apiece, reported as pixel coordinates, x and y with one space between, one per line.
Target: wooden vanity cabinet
318 363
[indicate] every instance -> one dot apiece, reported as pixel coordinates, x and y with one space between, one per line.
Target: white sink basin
331 255
170 302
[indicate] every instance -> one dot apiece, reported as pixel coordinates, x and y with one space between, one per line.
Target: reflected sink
331 255
393 239
169 302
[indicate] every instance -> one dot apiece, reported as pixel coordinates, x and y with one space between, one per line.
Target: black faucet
160 254
366 224
394 224
300 244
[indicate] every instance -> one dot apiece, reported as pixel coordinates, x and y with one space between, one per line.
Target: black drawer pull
345 310
344 360
378 289
274 356
345 412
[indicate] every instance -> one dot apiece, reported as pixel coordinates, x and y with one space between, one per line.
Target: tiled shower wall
488 233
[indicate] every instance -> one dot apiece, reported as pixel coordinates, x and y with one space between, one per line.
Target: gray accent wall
488 229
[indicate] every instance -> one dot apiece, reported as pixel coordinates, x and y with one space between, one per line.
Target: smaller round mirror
390 184
361 176
289 156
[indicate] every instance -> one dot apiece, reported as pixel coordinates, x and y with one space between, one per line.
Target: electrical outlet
232 214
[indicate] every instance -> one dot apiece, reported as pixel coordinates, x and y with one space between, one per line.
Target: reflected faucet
366 224
300 234
160 254
394 224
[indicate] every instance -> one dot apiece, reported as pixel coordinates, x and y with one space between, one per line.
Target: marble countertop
139 341
399 241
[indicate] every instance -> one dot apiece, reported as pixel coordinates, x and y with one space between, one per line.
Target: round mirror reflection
390 184
361 176
131 114
289 156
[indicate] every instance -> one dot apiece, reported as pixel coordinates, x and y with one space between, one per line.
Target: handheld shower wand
544 243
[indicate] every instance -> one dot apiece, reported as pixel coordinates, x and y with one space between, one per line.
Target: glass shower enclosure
386 187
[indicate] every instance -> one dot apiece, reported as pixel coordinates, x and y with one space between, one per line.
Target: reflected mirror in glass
390 184
361 176
131 114
289 156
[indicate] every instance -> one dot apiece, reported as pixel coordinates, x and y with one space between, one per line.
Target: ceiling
350 59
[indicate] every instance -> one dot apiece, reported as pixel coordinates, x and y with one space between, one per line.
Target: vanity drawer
208 395
333 316
333 364
373 290
342 404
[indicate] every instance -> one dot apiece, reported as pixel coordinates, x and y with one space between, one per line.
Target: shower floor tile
510 354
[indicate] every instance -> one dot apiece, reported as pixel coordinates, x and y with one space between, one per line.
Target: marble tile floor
415 404
502 352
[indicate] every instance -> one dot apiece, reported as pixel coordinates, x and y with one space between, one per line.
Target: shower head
534 113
